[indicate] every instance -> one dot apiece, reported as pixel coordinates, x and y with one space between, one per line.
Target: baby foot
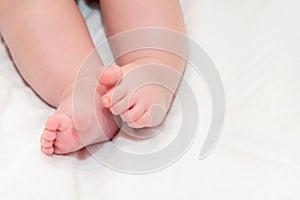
140 94
61 136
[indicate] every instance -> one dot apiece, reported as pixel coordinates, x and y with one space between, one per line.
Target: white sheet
255 46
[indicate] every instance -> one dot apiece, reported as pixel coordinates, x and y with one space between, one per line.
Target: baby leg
148 105
48 41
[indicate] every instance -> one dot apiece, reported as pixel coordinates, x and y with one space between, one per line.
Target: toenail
105 101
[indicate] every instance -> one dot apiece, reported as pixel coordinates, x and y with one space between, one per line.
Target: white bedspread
255 46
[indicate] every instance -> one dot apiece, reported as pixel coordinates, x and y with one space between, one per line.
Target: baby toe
102 89
46 143
157 114
113 96
122 106
48 151
133 114
110 76
52 123
143 121
49 135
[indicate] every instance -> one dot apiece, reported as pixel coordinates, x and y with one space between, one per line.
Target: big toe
58 122
110 76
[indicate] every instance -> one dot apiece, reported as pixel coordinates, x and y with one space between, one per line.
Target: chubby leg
120 16
48 41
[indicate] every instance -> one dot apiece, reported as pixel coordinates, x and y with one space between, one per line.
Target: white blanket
255 46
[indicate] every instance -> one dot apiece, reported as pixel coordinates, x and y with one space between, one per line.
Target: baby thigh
48 41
